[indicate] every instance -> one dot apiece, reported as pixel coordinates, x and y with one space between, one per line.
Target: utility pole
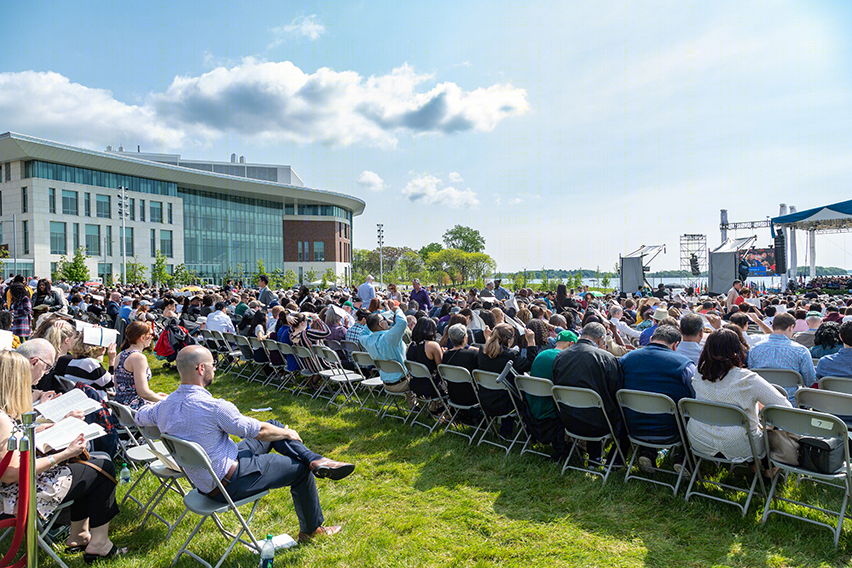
122 212
381 254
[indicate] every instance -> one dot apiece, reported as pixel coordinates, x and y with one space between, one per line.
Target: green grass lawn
419 500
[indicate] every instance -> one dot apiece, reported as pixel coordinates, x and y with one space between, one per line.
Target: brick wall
330 232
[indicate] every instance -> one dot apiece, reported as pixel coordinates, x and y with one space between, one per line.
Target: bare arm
271 433
42 464
137 364
763 327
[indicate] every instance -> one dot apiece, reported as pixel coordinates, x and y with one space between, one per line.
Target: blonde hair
80 350
59 332
501 337
524 315
498 315
15 384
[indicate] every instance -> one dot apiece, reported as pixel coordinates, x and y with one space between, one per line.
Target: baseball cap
566 335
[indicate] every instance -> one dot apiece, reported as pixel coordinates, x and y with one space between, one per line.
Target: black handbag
822 455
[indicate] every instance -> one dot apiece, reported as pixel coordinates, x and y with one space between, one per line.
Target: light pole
122 212
381 255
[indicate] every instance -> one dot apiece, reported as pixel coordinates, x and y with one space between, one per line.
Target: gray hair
667 334
615 310
813 319
691 324
457 333
40 348
594 331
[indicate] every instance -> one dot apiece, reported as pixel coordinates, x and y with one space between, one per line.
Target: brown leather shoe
321 531
331 469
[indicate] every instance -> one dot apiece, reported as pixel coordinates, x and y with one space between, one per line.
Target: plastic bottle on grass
124 475
267 553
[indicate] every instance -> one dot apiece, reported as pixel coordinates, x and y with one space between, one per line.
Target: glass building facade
72 174
222 231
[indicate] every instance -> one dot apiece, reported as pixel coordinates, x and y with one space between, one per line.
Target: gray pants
258 470
402 386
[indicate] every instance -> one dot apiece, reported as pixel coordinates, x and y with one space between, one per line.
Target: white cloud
267 101
303 26
430 190
455 177
371 181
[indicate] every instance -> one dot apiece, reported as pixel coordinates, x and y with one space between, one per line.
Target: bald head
188 360
41 355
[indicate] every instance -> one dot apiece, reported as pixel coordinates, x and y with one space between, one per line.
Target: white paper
476 322
101 336
522 329
58 408
339 311
61 434
754 302
280 541
81 325
264 409
780 309
6 340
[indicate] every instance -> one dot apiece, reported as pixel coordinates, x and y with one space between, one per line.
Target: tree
410 266
289 279
183 276
464 238
276 279
76 270
545 281
328 276
261 269
431 247
135 271
159 274
311 275
518 281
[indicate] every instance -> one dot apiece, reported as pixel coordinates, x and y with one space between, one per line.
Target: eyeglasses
211 363
46 364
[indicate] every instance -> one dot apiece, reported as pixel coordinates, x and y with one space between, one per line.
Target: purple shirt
422 299
192 413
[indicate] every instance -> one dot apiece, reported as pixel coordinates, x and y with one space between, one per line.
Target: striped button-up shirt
192 413
779 352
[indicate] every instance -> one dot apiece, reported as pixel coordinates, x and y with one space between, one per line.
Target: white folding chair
814 424
489 383
345 380
460 392
569 399
190 455
836 384
392 398
371 382
535 388
659 406
420 372
789 379
725 416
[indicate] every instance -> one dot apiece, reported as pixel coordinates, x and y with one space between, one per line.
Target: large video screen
761 262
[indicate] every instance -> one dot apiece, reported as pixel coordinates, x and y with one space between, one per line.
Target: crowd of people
830 283
682 346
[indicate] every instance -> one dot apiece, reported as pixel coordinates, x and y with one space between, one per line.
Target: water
768 281
267 553
124 476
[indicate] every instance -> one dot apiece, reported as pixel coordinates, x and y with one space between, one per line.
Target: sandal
76 548
114 551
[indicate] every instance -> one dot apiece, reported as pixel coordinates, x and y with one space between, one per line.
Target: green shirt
542 367
241 308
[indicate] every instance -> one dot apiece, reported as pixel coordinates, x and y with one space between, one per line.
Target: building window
307 251
93 240
87 204
83 176
69 203
340 253
170 213
141 209
51 199
58 244
153 242
156 211
105 271
166 243
132 209
24 204
301 275
290 209
300 251
26 227
128 241
319 251
8 171
103 204
108 241
76 236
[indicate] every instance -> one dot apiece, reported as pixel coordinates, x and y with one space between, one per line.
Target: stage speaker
693 265
780 254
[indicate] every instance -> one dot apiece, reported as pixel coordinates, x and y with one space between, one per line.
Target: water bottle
663 453
267 553
124 475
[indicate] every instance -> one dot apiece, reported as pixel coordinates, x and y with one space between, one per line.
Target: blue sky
566 133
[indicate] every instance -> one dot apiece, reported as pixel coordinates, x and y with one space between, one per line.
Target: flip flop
76 548
114 551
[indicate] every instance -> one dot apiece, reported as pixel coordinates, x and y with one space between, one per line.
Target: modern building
217 218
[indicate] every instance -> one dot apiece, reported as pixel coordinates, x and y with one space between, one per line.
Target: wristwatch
51 460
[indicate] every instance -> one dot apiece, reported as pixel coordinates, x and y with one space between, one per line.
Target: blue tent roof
836 216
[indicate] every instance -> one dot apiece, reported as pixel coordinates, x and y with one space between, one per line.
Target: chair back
244 346
254 342
534 386
333 344
577 397
646 402
302 352
418 370
487 380
350 346
805 423
362 359
786 378
286 349
836 403
230 337
836 384
390 366
317 349
124 413
65 381
713 413
151 434
454 374
188 455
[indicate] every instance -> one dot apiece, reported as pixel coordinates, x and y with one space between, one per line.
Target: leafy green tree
431 247
464 238
311 275
261 269
329 277
289 279
605 280
135 271
276 279
159 274
545 281
182 276
518 280
410 266
76 270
